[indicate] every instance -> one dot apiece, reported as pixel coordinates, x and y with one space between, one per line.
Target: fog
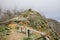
50 8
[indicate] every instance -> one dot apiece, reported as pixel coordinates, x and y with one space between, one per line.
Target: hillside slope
55 25
32 26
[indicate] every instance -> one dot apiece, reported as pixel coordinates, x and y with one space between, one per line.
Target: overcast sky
50 8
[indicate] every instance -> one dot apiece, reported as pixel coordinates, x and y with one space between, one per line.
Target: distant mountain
55 25
57 18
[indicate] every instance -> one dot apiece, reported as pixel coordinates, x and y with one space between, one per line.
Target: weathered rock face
32 21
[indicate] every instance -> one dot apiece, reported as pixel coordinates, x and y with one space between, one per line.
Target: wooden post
28 32
20 29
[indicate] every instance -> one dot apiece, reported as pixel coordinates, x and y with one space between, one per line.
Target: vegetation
27 38
39 22
4 31
29 18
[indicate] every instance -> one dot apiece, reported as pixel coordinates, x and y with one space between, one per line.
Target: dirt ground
14 35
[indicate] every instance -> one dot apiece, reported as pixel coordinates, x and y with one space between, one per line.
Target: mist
50 8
